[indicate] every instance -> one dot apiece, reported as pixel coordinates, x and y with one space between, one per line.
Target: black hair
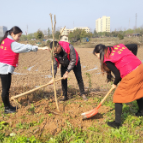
103 50
55 44
14 30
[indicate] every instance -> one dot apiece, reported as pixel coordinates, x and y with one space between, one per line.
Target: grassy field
98 131
38 121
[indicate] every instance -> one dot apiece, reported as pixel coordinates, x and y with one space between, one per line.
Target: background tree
39 34
30 36
83 34
23 38
49 33
78 34
57 34
120 36
95 34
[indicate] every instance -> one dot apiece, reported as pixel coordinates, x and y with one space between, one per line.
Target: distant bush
120 36
31 42
48 43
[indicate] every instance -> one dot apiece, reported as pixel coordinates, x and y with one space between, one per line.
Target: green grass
89 80
99 132
17 139
22 126
95 133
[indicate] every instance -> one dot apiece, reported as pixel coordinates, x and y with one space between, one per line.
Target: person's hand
65 76
114 86
44 48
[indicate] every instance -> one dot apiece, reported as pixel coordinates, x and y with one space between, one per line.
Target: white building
67 31
103 24
3 29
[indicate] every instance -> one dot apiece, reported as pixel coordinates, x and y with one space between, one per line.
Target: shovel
94 111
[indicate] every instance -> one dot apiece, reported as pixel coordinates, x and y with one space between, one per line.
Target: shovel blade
89 114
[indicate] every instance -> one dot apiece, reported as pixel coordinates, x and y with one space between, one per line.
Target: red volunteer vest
65 46
124 59
7 56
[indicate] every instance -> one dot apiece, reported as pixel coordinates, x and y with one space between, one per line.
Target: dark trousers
118 109
78 75
6 82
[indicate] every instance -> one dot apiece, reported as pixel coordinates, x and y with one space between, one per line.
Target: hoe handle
30 91
106 95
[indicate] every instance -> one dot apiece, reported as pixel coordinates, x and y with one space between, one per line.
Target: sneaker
64 98
114 124
14 108
84 97
139 113
9 110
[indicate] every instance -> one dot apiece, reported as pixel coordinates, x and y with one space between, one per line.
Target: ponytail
5 36
14 30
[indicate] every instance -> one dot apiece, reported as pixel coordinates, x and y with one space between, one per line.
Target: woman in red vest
9 53
128 69
67 56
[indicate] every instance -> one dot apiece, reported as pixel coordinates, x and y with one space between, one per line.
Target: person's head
99 51
57 47
15 32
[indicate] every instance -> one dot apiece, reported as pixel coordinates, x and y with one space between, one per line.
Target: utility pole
27 33
129 23
136 20
135 23
27 29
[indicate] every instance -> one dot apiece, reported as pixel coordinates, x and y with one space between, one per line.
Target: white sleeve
22 48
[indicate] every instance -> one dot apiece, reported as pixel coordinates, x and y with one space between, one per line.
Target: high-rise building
67 31
3 29
103 24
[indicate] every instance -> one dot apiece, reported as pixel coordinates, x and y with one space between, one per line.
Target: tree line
79 34
129 32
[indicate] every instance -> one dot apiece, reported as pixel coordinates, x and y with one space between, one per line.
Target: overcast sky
70 13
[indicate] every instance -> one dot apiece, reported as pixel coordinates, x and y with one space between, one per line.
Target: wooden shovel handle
106 95
30 91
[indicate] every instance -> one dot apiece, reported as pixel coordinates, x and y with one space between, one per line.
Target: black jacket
62 58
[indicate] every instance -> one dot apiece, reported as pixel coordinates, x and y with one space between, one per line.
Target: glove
34 48
109 77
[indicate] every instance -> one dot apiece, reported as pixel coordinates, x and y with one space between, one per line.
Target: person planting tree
128 70
67 56
133 48
9 54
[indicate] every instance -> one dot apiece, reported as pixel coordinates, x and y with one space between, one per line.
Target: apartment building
67 31
3 29
103 24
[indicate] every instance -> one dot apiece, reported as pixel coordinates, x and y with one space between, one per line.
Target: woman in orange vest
9 54
128 69
67 56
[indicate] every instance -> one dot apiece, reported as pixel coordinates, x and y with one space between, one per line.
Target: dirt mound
43 116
